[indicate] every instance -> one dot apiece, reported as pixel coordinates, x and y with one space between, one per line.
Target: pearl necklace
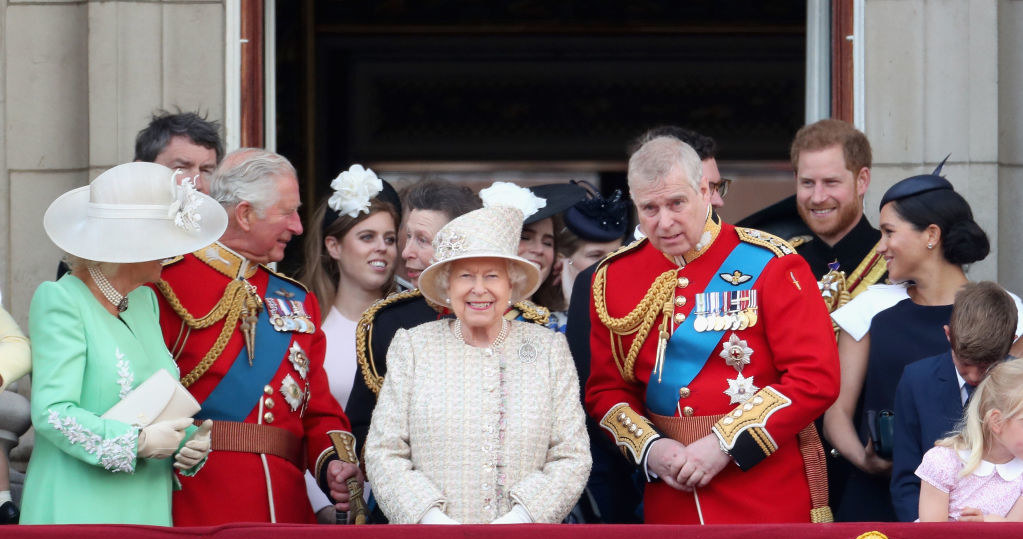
115 298
497 342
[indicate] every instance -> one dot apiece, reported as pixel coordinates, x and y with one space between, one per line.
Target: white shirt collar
963 395
1008 471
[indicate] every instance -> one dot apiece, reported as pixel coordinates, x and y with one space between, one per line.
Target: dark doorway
439 85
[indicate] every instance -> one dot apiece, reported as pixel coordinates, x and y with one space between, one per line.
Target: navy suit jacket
927 407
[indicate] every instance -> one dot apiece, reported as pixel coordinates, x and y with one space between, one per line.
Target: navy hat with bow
597 218
916 185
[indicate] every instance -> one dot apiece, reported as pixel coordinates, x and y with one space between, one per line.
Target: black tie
969 393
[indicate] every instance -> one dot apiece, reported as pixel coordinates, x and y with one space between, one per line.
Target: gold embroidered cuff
743 431
632 432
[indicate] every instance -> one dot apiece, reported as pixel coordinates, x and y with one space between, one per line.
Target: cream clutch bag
159 398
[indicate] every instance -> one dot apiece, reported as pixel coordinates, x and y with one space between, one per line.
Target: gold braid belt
238 296
640 320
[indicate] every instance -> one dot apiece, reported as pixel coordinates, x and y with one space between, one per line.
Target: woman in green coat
96 336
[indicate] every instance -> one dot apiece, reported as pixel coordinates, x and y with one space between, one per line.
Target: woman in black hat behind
928 235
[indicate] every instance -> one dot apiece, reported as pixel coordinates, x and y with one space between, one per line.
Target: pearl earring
930 246
447 300
509 303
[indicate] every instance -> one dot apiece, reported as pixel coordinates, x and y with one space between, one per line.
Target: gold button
679 318
268 402
683 282
268 390
680 300
268 417
684 392
687 411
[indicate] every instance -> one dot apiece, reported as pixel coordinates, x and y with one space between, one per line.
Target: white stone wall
946 76
79 80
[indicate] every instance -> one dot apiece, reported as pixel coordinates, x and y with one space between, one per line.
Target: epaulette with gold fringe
766 240
529 311
797 241
364 337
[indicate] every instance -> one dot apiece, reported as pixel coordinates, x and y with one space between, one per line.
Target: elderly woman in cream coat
479 419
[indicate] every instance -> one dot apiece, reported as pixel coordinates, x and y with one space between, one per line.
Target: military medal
293 394
299 360
743 317
736 352
740 389
719 314
700 323
751 312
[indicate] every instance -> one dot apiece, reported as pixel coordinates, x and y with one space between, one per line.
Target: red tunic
245 486
794 354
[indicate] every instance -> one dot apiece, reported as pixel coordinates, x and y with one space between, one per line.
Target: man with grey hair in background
249 348
712 353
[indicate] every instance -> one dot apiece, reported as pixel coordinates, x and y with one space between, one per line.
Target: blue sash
233 398
688 350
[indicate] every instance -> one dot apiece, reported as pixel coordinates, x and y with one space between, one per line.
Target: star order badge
293 394
298 360
736 352
740 389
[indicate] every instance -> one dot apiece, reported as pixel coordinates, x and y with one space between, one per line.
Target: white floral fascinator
353 190
509 194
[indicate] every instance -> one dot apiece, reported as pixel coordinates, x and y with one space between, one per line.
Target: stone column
935 85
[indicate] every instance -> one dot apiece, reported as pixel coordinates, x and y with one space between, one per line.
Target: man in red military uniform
712 353
249 349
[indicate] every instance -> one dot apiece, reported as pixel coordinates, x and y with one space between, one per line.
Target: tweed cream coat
474 431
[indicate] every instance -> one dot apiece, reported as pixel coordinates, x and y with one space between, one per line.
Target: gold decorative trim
766 240
226 261
530 311
228 308
798 241
172 260
632 432
639 321
752 417
822 515
868 272
344 444
711 229
364 338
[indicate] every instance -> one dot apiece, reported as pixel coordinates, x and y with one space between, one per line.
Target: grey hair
658 157
516 276
75 263
249 175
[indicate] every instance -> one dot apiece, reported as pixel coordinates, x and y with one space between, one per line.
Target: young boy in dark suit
932 392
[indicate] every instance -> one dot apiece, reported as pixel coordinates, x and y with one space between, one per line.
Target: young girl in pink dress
977 473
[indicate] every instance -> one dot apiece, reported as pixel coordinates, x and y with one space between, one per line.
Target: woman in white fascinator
350 253
479 419
96 336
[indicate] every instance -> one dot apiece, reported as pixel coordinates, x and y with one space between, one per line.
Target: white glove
436 516
161 440
517 515
196 448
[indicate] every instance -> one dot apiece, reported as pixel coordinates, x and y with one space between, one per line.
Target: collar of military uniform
711 229
223 259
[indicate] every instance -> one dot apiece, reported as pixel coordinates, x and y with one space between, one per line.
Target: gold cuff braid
639 321
632 432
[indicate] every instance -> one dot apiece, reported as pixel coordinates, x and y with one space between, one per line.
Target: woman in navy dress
927 235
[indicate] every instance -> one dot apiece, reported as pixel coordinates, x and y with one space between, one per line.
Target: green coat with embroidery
84 469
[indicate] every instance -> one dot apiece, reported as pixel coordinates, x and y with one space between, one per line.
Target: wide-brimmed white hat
493 231
134 212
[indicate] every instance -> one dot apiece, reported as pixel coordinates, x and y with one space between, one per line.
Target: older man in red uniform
712 353
249 347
